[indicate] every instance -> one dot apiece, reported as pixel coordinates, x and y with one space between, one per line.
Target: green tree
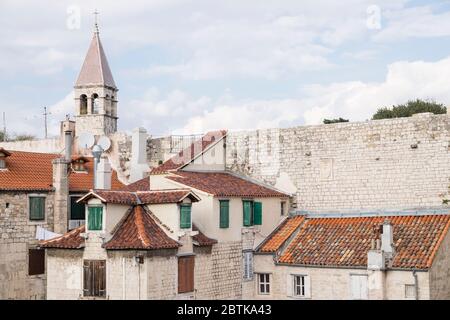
329 121
2 136
23 137
408 109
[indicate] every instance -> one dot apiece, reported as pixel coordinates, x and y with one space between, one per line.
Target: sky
186 67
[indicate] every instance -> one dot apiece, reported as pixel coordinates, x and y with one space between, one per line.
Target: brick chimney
104 172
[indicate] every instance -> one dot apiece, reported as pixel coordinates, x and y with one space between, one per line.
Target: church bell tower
95 93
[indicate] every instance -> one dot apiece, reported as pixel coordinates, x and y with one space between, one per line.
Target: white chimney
139 164
387 238
103 176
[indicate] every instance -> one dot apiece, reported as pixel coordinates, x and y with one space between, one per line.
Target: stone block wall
17 235
440 271
382 164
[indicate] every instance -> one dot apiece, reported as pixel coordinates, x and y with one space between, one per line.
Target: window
224 213
36 261
299 286
95 218
37 208
2 164
185 216
77 210
95 104
410 291
248 265
252 213
186 266
94 278
264 283
283 208
358 286
83 104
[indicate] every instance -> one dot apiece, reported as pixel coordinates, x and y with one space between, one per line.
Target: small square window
2 164
410 291
37 208
264 283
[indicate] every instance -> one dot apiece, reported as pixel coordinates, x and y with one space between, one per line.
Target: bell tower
95 92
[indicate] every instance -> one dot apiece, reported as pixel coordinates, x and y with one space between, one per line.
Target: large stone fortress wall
384 164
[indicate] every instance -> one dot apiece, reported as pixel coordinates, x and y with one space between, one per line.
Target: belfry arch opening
95 107
83 104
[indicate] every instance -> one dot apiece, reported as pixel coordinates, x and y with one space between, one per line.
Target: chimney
61 187
139 164
103 176
387 238
67 133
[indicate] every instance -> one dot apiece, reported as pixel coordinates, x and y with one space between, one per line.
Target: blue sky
191 66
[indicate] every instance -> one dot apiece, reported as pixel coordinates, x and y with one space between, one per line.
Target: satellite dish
86 140
104 142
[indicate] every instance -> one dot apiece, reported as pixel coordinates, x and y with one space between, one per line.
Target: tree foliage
408 109
329 121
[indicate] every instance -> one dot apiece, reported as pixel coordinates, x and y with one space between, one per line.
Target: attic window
3 155
79 164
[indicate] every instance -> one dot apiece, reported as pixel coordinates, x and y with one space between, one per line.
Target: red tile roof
32 171
275 240
344 242
69 240
223 184
138 230
200 239
140 185
141 197
185 156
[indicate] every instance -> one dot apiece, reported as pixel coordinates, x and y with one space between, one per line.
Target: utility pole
45 120
4 126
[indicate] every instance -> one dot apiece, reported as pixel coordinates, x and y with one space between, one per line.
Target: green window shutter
37 208
224 213
185 216
257 213
95 218
248 213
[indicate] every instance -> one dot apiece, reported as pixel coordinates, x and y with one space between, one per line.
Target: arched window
95 104
83 104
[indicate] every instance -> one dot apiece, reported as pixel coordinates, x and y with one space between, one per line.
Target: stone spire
95 70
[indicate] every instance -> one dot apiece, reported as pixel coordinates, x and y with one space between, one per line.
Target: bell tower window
83 104
95 104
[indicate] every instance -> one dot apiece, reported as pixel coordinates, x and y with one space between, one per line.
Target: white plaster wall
212 159
64 274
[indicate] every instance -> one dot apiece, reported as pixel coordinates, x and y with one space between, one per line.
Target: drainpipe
123 279
416 285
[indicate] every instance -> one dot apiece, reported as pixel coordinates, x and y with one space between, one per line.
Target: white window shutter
250 265
290 285
307 287
364 292
355 287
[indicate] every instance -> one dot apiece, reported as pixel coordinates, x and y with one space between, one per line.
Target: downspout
123 279
139 280
416 285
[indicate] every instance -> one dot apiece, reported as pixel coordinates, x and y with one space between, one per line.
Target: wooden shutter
95 218
307 286
36 261
185 216
37 208
257 213
94 278
248 213
224 213
186 267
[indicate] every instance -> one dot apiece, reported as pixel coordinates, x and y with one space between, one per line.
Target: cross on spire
96 13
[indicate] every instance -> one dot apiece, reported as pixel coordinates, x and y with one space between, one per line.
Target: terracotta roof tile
200 239
138 230
140 185
346 241
274 241
69 240
32 171
223 184
141 197
186 155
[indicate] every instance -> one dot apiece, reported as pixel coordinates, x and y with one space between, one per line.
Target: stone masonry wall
383 164
17 235
440 271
